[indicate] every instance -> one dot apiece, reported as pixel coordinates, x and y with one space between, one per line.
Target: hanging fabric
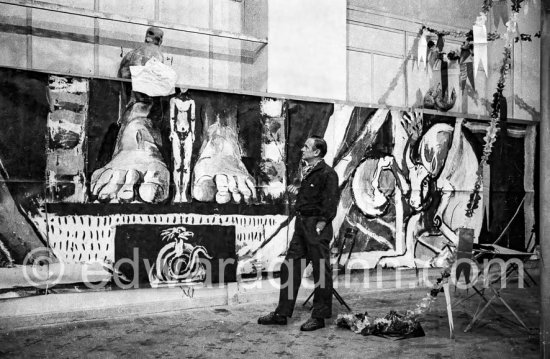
466 64
500 13
422 49
440 42
480 43
444 75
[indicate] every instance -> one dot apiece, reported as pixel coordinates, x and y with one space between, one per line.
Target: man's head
314 148
154 35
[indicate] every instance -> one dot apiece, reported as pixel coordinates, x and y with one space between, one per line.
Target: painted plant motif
179 261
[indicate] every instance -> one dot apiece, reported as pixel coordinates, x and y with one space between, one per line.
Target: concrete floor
232 332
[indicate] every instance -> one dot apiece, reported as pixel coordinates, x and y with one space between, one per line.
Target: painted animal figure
445 163
448 164
433 150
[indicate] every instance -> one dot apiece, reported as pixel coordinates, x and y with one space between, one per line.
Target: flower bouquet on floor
392 325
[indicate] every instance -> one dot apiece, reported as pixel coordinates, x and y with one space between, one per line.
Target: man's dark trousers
307 246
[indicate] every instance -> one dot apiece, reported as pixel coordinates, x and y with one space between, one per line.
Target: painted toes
222 187
127 191
111 188
244 189
100 178
154 187
232 184
204 189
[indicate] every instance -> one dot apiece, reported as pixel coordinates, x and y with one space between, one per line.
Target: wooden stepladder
449 310
464 251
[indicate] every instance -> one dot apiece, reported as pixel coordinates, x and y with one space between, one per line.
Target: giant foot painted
136 170
219 173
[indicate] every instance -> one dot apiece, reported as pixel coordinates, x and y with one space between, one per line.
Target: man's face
308 151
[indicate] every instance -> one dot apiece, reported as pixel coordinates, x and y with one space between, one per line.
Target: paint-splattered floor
232 332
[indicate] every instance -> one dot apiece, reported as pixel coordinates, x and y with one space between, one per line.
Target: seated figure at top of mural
137 170
150 49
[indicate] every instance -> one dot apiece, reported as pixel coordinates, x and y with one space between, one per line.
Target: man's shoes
312 324
272 318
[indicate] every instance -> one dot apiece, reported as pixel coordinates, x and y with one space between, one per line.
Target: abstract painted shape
194 252
272 184
179 261
67 122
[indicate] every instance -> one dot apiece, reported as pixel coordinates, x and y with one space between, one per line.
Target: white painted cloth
480 44
154 79
422 50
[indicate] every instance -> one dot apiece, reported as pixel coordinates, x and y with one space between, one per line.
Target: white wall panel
388 80
360 77
307 48
63 42
82 4
381 40
14 43
133 8
185 12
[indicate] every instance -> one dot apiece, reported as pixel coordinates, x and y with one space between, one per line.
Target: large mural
92 171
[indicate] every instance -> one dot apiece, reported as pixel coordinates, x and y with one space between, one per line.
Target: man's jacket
319 193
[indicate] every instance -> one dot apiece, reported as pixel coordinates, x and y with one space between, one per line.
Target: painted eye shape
425 182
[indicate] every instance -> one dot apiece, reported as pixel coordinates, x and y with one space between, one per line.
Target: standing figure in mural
316 205
182 135
137 170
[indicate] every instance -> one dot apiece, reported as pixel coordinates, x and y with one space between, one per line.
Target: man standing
316 204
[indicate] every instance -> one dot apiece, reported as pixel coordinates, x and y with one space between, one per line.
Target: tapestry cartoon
87 164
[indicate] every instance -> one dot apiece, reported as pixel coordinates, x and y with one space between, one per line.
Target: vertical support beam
347 65
405 69
244 46
516 62
544 190
529 212
157 10
29 38
211 44
96 40
371 99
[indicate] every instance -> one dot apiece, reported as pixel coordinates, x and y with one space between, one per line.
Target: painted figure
140 56
137 162
182 135
316 204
